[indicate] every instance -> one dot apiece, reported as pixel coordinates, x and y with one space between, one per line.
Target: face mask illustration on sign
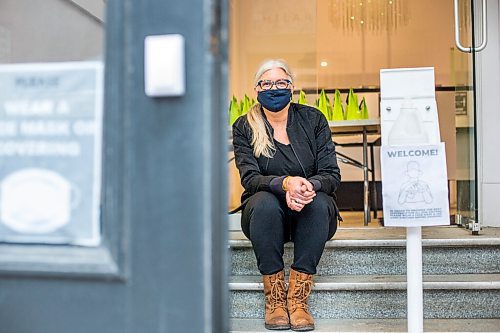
35 201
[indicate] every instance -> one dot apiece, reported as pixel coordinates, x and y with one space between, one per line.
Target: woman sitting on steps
288 168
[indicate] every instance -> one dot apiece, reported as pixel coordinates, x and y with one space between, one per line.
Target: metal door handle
457 30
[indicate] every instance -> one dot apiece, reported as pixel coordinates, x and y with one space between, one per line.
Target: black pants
269 224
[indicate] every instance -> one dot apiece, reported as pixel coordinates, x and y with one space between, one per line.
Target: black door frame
162 264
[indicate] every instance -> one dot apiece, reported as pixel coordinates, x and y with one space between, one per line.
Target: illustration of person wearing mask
414 190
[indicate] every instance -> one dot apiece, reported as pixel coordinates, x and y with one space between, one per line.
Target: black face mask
274 100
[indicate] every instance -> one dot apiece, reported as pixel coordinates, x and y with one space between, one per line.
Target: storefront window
51 91
336 44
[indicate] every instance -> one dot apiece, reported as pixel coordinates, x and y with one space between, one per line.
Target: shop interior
343 44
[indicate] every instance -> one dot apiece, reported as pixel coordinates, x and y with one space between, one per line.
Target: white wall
488 102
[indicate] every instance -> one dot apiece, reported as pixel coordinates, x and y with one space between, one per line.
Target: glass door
342 45
469 15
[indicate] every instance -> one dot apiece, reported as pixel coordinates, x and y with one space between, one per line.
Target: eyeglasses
279 84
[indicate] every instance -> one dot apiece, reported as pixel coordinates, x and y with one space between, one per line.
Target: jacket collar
291 122
292 110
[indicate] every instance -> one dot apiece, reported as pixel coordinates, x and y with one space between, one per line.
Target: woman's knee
326 206
321 204
322 211
261 207
263 204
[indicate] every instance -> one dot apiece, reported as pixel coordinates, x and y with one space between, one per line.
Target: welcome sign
415 190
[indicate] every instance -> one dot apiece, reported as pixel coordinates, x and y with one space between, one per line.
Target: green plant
323 104
352 108
338 110
364 109
302 98
234 110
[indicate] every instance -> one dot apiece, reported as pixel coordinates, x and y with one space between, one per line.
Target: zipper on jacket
270 133
297 157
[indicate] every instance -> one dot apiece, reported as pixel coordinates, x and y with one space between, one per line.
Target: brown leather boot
299 289
275 291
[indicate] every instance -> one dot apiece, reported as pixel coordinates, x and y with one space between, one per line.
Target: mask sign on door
50 147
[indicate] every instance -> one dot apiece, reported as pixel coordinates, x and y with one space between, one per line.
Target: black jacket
311 141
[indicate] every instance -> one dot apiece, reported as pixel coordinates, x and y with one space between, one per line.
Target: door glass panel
463 80
343 44
51 78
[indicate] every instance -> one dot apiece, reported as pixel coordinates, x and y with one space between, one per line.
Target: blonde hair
261 143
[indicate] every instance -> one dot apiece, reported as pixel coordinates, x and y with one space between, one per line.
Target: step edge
329 286
466 242
398 282
391 325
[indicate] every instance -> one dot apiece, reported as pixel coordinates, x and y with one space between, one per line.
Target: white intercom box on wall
164 65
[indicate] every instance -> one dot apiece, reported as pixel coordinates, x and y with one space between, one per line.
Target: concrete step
348 297
382 251
377 325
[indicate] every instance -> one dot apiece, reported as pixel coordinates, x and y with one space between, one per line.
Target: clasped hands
299 192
